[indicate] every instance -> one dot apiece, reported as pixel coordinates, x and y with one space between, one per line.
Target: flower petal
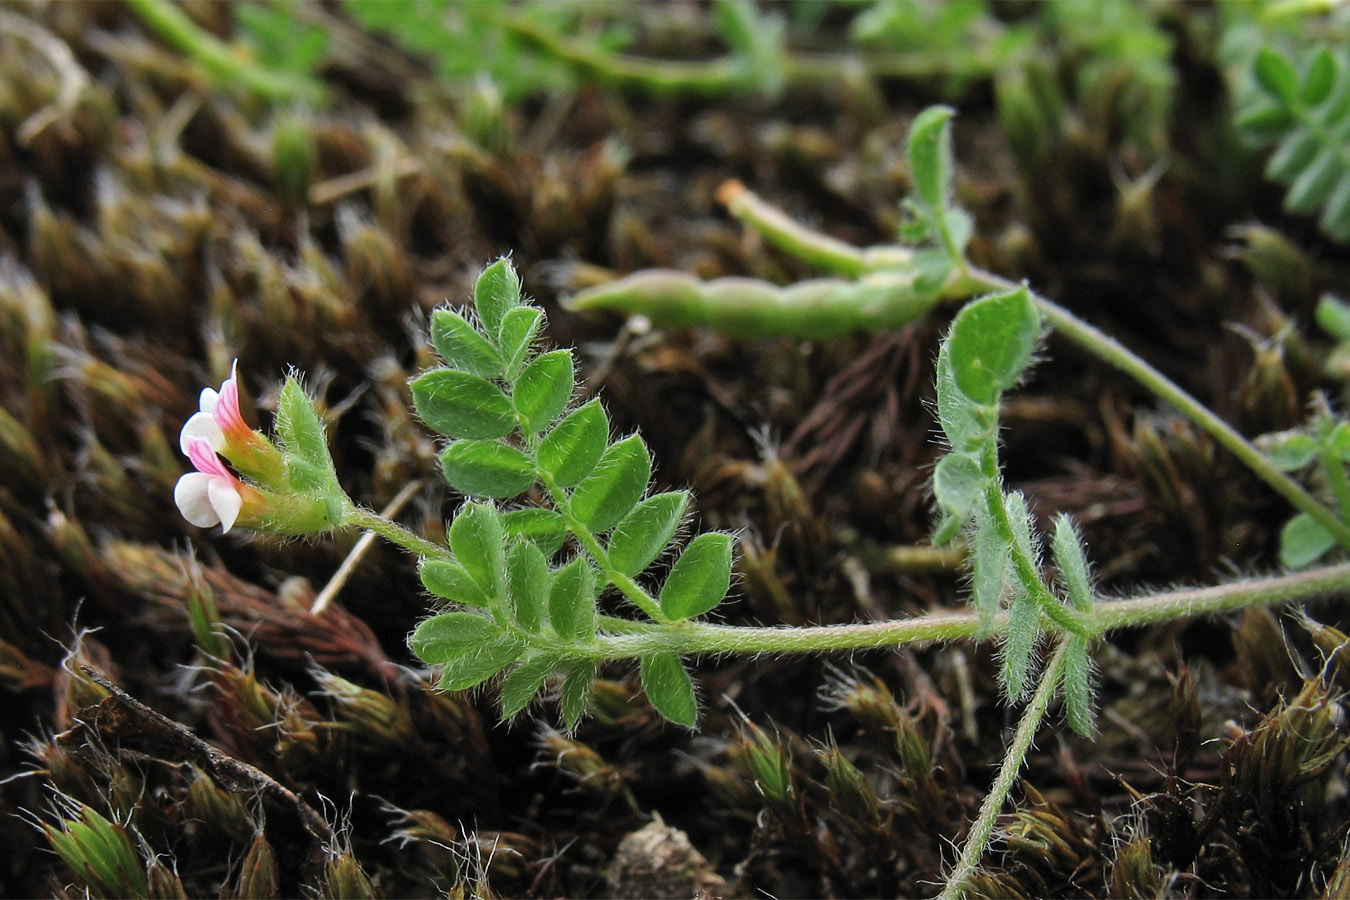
225 500
205 459
201 426
226 412
192 494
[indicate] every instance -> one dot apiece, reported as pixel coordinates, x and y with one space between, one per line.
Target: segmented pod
746 307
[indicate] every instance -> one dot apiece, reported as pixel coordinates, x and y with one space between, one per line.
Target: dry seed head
768 762
1134 875
344 879
764 589
1334 646
379 273
258 875
1276 262
420 826
375 719
1269 397
504 854
849 790
221 811
163 882
866 697
580 761
99 851
20 457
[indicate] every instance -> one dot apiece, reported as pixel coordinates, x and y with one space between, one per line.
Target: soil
148 236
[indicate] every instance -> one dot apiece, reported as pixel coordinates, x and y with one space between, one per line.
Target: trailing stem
982 829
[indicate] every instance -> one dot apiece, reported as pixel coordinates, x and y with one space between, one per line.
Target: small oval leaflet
462 405
700 577
615 486
543 389
486 469
642 534
570 451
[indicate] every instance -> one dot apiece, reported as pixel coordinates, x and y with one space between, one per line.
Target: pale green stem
1024 568
698 638
729 74
629 640
217 58
591 544
1334 467
826 253
982 829
1114 353
835 256
359 517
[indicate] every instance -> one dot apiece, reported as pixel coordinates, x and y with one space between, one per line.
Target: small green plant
1304 110
561 522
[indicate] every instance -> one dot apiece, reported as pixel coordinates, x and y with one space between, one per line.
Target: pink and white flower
218 421
212 495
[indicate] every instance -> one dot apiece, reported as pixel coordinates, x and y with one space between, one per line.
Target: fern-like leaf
1302 108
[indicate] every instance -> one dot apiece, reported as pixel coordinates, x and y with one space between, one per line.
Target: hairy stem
591 544
359 517
224 64
1113 352
982 829
1024 568
698 638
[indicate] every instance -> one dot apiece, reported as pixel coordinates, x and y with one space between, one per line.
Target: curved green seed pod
746 307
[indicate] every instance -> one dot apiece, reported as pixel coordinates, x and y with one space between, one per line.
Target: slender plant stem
982 829
219 60
359 517
591 544
835 256
698 638
1334 469
733 73
1024 568
1116 354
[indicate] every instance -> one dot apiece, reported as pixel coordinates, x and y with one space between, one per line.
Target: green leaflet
468 647
495 294
451 581
615 486
486 469
700 577
1071 559
528 581
991 344
571 449
1077 687
462 346
520 327
642 534
544 528
543 389
1303 542
462 405
477 537
576 692
524 681
571 600
669 688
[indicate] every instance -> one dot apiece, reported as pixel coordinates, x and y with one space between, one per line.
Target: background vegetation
300 185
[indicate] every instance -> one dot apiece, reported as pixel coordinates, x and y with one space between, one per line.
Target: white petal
208 400
202 426
192 494
225 500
